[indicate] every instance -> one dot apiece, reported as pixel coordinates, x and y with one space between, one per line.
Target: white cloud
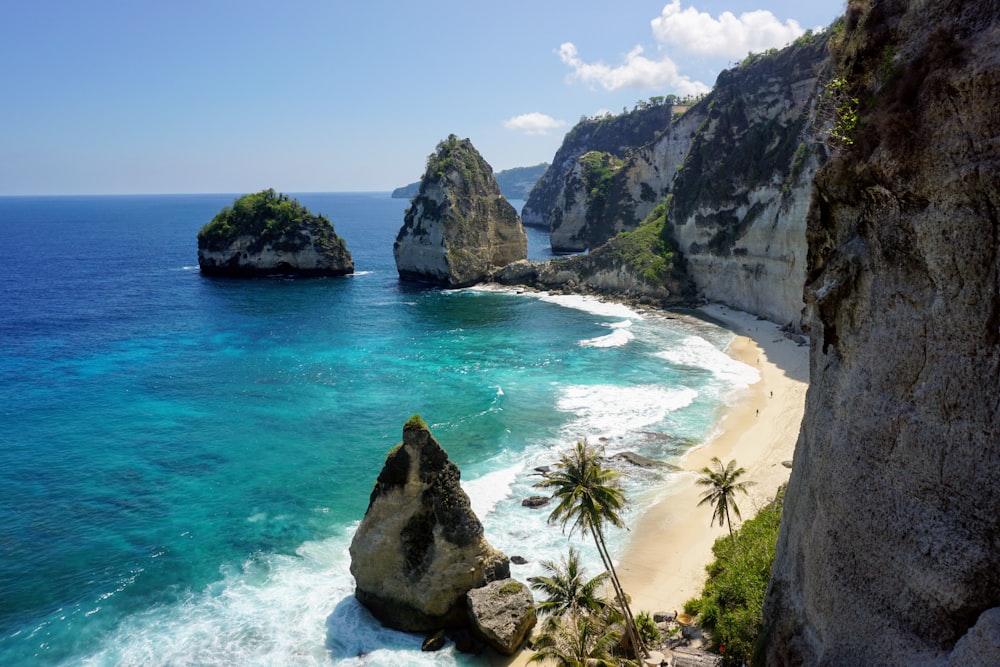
533 123
730 36
637 71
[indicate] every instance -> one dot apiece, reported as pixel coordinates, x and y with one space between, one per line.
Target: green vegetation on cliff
731 604
649 250
514 183
268 216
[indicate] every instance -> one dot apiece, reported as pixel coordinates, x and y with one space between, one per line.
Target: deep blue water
183 459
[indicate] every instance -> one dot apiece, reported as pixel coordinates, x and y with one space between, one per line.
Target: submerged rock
459 228
420 548
269 233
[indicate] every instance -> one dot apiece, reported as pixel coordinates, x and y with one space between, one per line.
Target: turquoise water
184 459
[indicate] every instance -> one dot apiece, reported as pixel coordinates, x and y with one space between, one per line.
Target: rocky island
419 556
458 228
269 233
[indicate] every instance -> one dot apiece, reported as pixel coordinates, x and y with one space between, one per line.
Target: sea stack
459 228
269 233
420 548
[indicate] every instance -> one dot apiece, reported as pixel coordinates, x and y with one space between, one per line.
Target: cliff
889 552
735 170
269 233
420 548
515 183
459 228
611 135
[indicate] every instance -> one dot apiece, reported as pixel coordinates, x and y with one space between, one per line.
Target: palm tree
582 641
590 495
723 483
566 589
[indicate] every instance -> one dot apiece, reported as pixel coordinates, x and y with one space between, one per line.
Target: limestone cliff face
459 228
268 233
736 169
740 201
420 548
559 189
889 552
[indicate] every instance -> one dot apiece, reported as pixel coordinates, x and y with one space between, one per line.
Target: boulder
269 233
502 613
420 548
459 229
536 501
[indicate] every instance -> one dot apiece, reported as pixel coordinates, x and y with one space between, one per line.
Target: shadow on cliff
352 632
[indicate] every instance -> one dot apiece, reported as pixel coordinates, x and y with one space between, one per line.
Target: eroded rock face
502 613
267 233
420 548
459 228
889 552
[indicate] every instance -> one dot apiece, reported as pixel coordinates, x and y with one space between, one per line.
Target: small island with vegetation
269 233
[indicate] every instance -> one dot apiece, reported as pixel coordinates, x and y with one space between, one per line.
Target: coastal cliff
459 228
888 552
269 233
735 171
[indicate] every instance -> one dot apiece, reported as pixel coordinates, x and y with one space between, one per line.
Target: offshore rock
889 551
458 228
268 233
502 613
420 548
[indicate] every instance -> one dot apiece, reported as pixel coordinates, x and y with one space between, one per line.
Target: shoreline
663 563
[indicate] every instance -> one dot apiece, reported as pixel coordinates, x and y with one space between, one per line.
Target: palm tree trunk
729 523
630 625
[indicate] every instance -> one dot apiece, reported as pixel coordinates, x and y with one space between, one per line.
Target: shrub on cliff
732 601
650 249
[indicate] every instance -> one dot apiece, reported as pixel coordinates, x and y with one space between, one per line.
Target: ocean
183 459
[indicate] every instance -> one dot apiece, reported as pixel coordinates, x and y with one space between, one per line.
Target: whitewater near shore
664 562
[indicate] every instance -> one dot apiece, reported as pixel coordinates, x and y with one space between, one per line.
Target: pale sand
663 564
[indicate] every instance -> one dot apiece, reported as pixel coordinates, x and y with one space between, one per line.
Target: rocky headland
458 228
888 553
731 177
269 233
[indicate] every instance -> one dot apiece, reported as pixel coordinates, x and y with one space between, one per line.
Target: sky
227 96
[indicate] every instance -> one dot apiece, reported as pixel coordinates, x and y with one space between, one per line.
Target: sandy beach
664 562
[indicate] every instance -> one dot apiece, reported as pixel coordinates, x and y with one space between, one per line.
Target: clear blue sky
178 96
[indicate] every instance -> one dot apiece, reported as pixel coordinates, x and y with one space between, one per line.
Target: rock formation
889 552
735 171
269 233
502 613
459 228
420 547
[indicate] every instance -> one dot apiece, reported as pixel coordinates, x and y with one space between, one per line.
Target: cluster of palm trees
582 627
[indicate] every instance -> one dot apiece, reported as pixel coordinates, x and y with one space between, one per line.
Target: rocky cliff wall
736 169
889 552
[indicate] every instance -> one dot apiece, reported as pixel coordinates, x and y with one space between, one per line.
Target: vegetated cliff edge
459 228
734 170
889 552
269 233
